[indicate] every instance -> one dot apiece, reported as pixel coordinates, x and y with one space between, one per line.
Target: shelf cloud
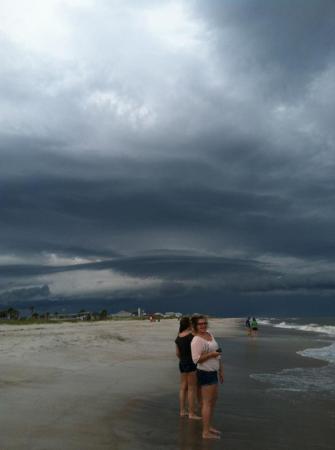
161 148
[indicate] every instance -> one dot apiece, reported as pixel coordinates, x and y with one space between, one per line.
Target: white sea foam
311 327
299 380
264 321
323 353
320 379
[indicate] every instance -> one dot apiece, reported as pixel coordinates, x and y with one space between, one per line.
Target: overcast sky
166 148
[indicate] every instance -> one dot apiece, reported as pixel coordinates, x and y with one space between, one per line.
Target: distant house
123 314
171 314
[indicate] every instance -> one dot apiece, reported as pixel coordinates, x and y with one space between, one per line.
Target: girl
188 374
206 354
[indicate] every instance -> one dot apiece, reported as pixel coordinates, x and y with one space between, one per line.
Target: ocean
302 379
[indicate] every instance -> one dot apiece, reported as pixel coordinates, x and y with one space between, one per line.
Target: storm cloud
158 148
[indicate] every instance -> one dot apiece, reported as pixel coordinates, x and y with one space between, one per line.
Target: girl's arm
205 356
198 353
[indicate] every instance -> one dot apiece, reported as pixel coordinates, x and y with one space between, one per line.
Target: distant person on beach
207 355
188 370
254 326
248 326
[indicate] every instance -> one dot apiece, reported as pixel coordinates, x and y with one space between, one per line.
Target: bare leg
215 397
192 393
182 394
199 398
209 395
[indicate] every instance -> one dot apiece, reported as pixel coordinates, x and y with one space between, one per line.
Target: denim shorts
206 378
187 366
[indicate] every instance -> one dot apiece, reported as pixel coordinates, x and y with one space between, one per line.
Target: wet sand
252 415
114 385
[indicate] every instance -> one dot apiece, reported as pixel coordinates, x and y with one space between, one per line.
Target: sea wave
311 327
299 379
264 321
320 379
323 353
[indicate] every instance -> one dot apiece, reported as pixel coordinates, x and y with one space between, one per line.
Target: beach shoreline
251 413
114 385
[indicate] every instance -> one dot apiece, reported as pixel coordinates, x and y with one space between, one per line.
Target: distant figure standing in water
188 370
248 326
206 354
254 326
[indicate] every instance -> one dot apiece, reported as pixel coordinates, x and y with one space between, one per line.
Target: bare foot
194 417
210 436
214 430
183 414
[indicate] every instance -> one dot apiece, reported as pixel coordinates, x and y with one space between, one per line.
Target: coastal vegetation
12 316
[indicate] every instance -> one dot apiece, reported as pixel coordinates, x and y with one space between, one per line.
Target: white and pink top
199 346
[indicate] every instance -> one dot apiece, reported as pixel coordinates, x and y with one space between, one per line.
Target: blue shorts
207 378
187 366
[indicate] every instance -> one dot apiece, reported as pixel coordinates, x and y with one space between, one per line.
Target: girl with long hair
206 354
187 368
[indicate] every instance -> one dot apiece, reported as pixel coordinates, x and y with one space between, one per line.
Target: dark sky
167 150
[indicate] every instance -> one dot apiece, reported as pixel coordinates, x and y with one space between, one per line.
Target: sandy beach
63 385
114 385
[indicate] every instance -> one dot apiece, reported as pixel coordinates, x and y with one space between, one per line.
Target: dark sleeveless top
184 345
